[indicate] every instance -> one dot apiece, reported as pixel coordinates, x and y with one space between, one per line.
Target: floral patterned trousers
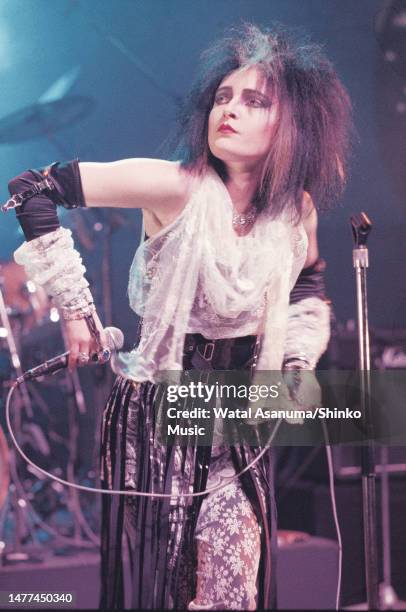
228 545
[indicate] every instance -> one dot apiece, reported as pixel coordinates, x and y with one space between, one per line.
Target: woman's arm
309 219
158 185
308 329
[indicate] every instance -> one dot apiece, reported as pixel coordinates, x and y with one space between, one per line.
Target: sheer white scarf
198 275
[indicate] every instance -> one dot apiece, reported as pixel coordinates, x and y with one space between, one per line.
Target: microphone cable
218 487
131 492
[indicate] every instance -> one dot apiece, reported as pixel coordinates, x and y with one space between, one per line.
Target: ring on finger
83 358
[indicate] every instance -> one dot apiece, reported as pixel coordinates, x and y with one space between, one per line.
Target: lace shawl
198 275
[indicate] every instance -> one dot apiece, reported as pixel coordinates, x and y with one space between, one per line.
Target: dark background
135 58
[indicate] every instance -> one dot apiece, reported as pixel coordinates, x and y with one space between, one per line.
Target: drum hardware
16 505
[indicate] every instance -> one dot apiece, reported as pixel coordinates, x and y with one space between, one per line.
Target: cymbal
42 118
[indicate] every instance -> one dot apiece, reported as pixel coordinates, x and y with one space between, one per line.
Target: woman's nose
228 112
229 109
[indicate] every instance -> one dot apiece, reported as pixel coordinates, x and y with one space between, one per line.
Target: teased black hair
309 149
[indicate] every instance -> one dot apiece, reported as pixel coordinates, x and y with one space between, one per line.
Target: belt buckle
208 348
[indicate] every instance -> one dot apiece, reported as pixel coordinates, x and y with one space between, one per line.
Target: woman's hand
80 341
304 391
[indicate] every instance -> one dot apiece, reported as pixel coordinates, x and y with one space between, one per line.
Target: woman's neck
241 184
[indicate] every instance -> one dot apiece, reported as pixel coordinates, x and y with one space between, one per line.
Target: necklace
244 220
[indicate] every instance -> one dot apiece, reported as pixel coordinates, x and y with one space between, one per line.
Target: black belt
211 350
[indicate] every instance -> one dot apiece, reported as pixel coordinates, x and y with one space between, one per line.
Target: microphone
114 339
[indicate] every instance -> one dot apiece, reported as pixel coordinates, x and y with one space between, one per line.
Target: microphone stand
361 227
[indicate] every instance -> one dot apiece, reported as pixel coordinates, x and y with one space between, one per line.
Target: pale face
243 103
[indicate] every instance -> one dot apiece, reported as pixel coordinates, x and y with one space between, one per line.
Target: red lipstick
225 128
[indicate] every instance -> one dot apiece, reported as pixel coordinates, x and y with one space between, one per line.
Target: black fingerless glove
310 283
37 214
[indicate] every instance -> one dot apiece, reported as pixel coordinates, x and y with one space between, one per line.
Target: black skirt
159 534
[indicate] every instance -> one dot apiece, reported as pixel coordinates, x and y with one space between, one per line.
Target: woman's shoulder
171 188
183 185
175 180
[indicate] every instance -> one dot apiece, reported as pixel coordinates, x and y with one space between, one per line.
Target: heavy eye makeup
251 97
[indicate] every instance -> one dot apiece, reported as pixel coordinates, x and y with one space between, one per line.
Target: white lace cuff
53 262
